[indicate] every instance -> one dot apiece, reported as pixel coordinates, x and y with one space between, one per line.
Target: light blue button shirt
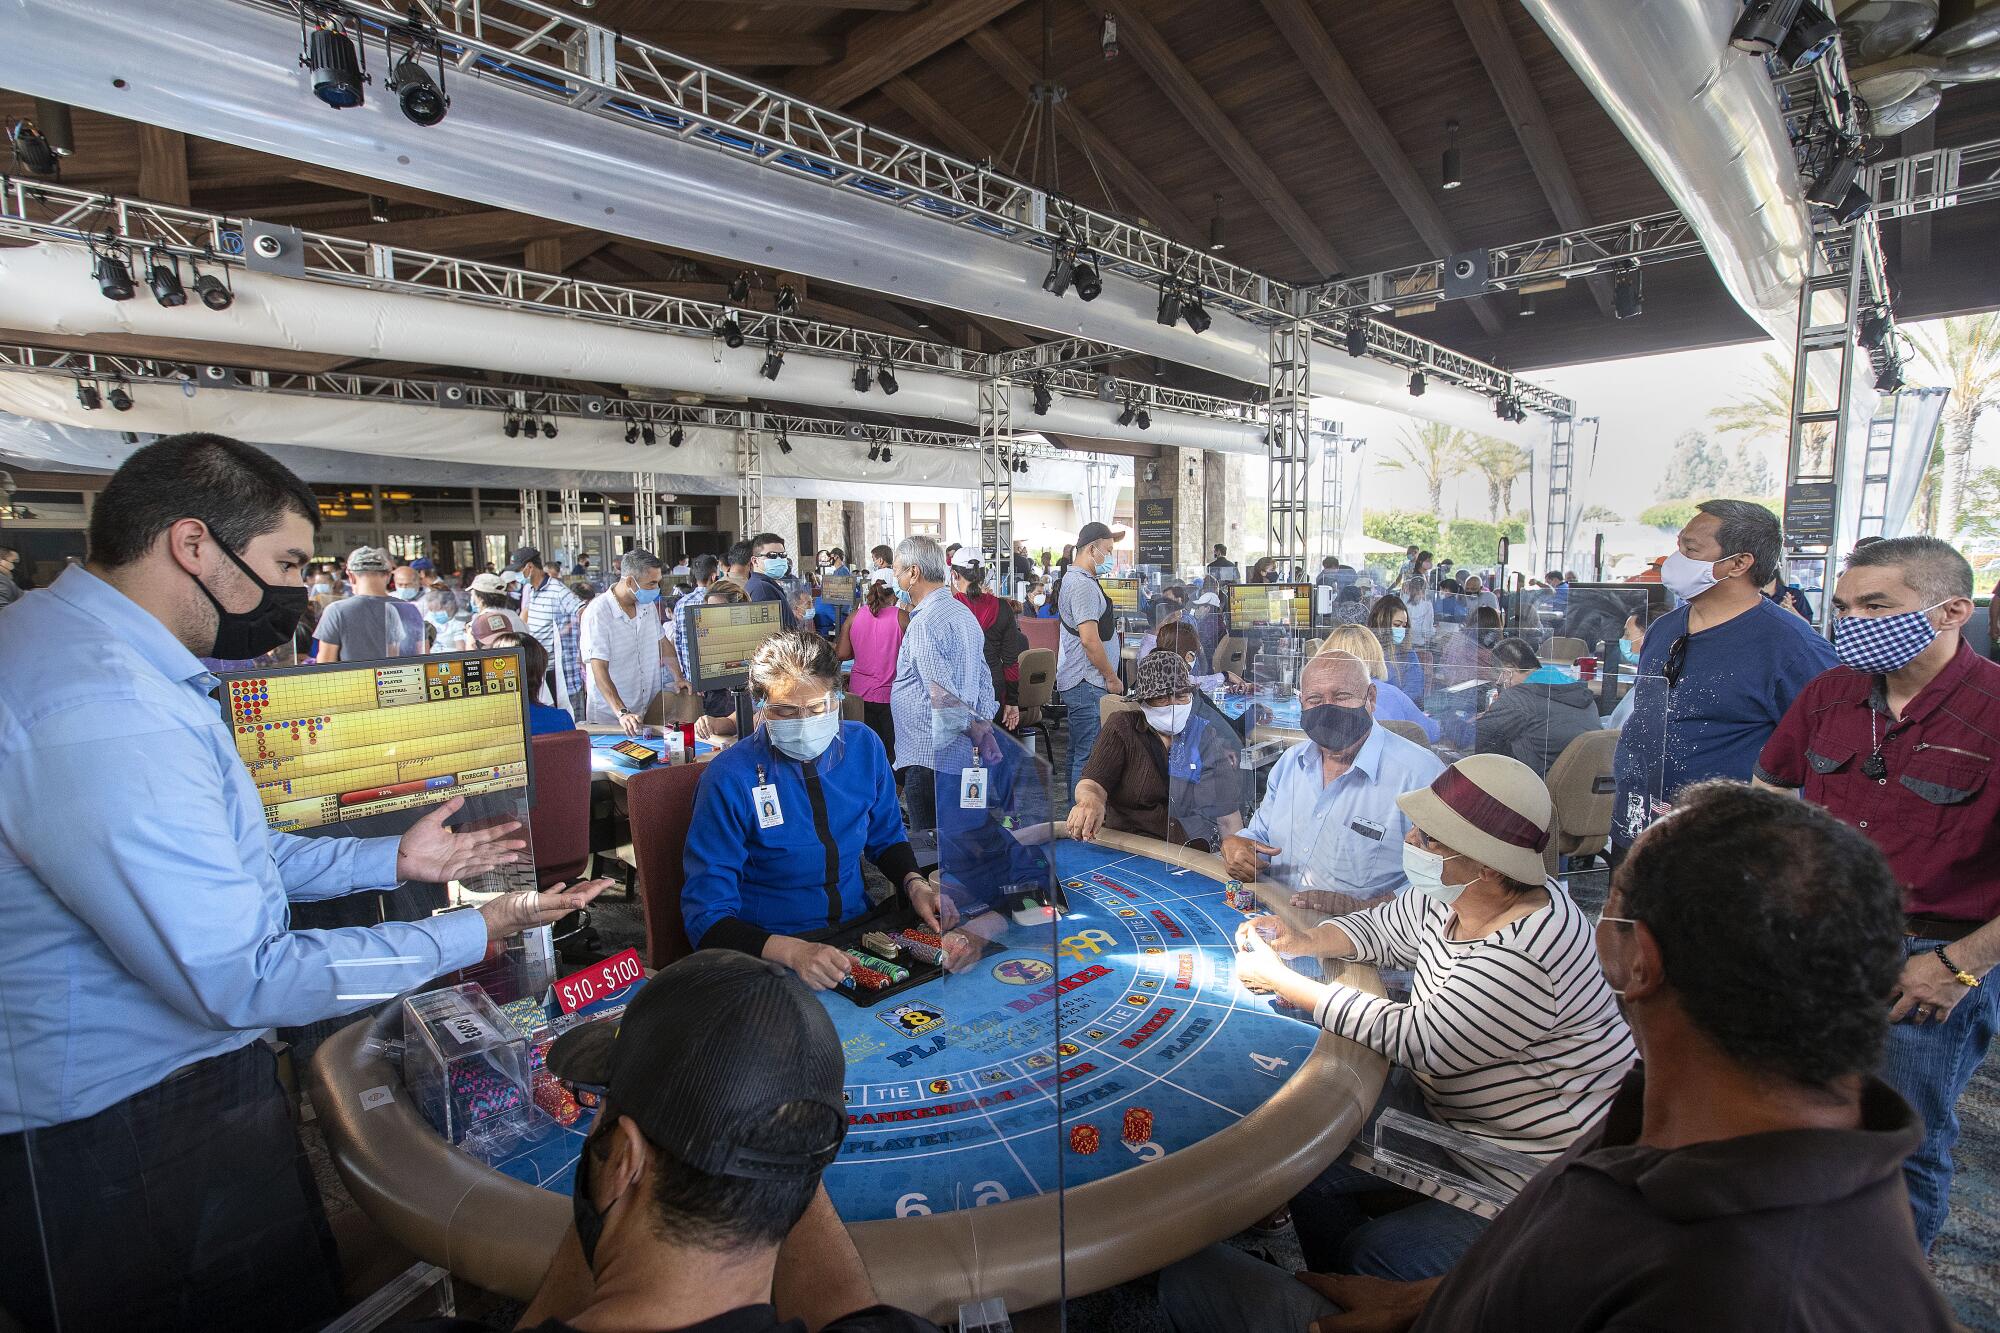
143 904
1345 835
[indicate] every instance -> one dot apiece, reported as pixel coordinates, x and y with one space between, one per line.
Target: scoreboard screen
838 589
1253 604
1123 594
722 639
329 744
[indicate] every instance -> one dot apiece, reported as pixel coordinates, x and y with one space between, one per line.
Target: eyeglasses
1676 661
794 712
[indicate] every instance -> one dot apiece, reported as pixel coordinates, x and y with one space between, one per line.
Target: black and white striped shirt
1514 1037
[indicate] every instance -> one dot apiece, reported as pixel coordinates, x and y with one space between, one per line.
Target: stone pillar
854 533
1222 484
1177 475
781 517
827 526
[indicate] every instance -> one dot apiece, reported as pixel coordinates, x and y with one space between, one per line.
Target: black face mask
242 635
589 1221
1336 729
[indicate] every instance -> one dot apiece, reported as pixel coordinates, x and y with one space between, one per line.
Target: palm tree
1434 452
1764 412
1502 464
1600 514
1966 356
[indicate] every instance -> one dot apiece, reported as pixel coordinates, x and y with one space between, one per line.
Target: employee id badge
769 813
972 789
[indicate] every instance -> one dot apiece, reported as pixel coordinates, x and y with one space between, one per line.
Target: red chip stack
1138 1125
1083 1139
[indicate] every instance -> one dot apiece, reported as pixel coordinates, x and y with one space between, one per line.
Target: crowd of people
1735 1089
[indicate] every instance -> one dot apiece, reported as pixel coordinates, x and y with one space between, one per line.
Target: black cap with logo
524 555
713 1046
1097 532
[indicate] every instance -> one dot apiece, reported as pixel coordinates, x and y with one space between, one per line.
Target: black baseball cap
524 555
1097 532
711 1047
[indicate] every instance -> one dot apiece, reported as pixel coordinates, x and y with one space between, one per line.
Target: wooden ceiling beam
950 132
1487 27
1315 48
163 166
1150 50
883 6
737 50
882 47
1146 198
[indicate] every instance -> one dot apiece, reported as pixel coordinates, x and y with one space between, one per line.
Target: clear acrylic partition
154 1068
986 1050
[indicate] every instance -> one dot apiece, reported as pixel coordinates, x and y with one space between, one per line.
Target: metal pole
996 481
1289 409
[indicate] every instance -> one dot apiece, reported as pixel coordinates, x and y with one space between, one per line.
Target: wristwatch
1963 977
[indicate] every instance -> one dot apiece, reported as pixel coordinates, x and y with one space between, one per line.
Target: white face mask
1686 577
1426 872
1168 719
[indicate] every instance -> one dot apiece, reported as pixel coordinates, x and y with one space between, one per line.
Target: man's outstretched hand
429 851
511 913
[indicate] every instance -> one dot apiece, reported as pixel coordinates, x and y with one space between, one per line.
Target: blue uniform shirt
804 873
1738 679
146 918
1346 835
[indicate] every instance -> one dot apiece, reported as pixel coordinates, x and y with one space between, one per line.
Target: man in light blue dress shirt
1329 821
149 1172
942 687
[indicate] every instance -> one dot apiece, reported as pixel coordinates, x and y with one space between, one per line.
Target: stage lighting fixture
88 397
1500 407
1811 36
631 432
1357 338
531 427
648 436
1125 417
1762 25
549 428
774 359
213 291
739 288
378 208
676 438
1451 175
1416 384
874 453
337 69
120 398
511 427
1042 395
886 378
861 379
113 278
1874 328
885 453
1628 294
1215 241
1830 187
1194 312
788 300
1852 205
784 443
731 332
1890 378
1527 304
1169 311
32 150
1062 270
163 275
1088 283
422 98
1145 419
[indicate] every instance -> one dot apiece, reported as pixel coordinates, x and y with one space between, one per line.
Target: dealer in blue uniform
150 1175
782 821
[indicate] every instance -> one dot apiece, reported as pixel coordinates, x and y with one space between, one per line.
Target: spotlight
113 278
886 378
378 208
730 331
165 279
677 438
1527 304
1021 466
875 453
511 427
1145 419
1890 378
1500 407
120 398
32 150
549 428
1830 187
1088 283
337 71
1193 311
213 291
648 435
1852 205
784 444
88 397
1215 242
1416 384
774 359
1628 294
1062 270
1357 338
788 300
421 97
1451 175
631 432
1874 328
1169 312
531 427
739 289
1798 31
1042 395
885 453
1812 35
861 379
1125 417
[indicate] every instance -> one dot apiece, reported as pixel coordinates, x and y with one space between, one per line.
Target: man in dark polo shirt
1899 742
1749 1174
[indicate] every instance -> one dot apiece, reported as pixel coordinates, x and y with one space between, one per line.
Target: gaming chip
922 946
1138 1125
880 944
1067 1049
1083 1139
557 1100
867 978
939 1085
868 963
1136 1001
1097 1034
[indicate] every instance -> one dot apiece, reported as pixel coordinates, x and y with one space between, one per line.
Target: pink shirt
875 637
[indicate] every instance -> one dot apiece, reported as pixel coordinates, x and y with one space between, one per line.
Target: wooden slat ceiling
1318 168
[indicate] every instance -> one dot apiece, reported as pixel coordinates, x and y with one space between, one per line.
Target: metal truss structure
750 480
646 511
569 522
996 482
1289 408
531 518
1943 178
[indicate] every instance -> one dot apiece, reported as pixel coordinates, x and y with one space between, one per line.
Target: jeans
1080 703
1338 1235
1226 1290
920 795
1930 1064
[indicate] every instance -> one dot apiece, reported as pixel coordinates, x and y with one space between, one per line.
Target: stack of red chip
1083 1139
1138 1125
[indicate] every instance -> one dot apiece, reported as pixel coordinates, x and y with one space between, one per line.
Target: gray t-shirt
1080 600
367 628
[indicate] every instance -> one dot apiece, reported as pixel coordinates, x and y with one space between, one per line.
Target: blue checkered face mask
1883 643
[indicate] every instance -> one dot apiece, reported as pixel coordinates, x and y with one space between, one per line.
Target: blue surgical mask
409 594
1398 633
776 566
1106 565
322 589
803 738
1426 873
439 618
646 596
1628 649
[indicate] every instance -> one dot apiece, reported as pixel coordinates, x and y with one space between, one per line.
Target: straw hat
1491 808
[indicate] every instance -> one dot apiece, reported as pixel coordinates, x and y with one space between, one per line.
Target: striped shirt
553 613
1514 1037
